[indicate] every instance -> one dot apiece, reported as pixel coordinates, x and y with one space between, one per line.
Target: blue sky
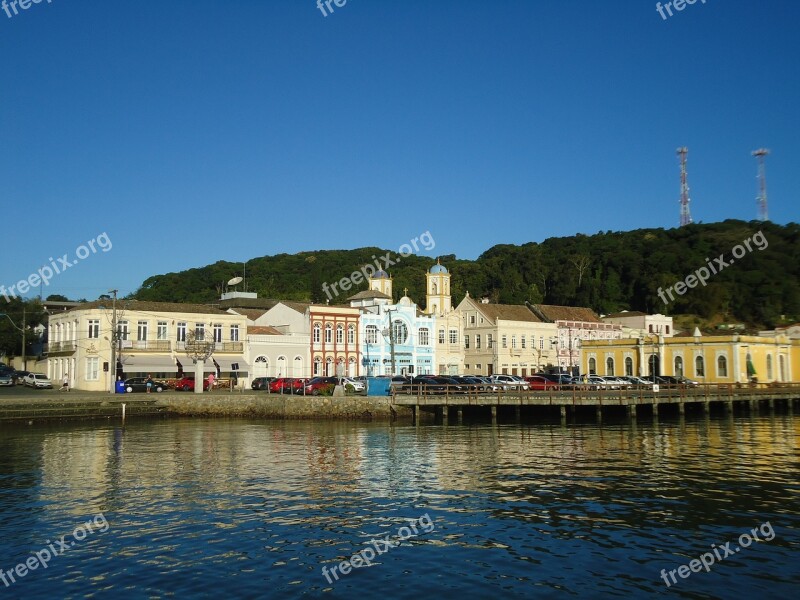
197 131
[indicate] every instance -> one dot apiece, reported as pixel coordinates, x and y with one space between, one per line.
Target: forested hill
608 272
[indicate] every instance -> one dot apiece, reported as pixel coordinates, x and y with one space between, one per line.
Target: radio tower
760 155
686 217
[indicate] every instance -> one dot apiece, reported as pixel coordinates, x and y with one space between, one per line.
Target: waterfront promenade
24 405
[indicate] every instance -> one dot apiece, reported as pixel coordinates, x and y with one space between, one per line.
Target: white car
358 386
510 382
37 380
613 383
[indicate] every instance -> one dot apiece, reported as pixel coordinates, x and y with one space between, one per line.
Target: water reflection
518 509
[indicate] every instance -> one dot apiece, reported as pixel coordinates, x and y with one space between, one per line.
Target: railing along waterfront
454 395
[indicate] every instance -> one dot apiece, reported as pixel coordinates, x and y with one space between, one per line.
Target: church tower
438 300
380 281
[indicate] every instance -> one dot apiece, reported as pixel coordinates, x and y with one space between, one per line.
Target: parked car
357 386
7 380
510 382
634 381
471 384
261 383
614 383
19 376
38 380
187 385
537 382
687 381
139 384
425 384
317 385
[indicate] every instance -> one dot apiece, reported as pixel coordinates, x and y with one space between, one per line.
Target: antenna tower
761 199
686 217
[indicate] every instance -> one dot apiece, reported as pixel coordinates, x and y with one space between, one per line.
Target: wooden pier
601 399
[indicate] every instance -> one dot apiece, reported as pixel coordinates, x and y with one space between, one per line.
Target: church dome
380 275
406 301
437 268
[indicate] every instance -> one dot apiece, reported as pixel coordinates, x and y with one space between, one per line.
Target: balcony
145 345
60 347
219 347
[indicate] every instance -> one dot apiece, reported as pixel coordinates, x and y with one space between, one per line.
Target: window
316 333
424 336
699 367
317 366
282 366
181 337
781 368
628 366
769 367
522 342
351 334
466 342
666 329
199 332
217 332
478 341
722 366
489 340
472 319
592 366
651 329
371 334
454 336
678 366
92 368
328 333
94 328
399 332
122 329
234 333
340 334
441 335
141 331
541 343
162 331
610 366
513 342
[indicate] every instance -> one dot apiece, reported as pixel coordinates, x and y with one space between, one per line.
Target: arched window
678 366
424 336
433 288
351 334
316 334
340 334
769 367
441 335
699 367
298 366
328 333
261 367
351 367
781 368
722 366
282 367
610 366
592 366
371 334
329 367
317 367
628 366
399 332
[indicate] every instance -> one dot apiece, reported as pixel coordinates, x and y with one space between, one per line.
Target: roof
262 330
145 306
265 303
300 307
554 313
508 312
252 314
366 294
626 313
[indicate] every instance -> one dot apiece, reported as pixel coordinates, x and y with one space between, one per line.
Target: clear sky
196 131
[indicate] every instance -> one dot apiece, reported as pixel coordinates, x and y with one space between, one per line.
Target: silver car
38 380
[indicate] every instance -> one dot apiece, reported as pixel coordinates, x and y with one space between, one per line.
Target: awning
143 363
226 363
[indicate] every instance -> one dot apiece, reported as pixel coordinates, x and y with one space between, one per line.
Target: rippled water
246 509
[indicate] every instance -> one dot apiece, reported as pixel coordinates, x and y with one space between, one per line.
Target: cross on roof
405 291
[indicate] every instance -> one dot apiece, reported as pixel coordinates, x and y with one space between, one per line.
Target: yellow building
713 359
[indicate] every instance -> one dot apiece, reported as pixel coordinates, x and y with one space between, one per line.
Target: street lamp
10 320
114 340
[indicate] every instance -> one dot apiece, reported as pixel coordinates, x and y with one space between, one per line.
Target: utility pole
114 336
24 354
391 339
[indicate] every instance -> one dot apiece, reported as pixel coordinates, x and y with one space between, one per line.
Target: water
252 509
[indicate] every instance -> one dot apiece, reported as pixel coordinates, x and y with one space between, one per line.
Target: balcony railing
218 346
146 345
54 347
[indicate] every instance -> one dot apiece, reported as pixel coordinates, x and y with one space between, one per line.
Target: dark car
187 385
261 383
19 376
538 382
139 384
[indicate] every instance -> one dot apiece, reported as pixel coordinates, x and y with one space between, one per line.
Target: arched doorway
654 365
261 366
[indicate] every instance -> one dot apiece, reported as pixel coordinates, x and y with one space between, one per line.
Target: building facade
449 328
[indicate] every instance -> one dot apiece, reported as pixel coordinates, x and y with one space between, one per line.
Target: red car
187 385
287 385
315 386
536 382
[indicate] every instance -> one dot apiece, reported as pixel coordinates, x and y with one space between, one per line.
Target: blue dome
437 268
380 275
